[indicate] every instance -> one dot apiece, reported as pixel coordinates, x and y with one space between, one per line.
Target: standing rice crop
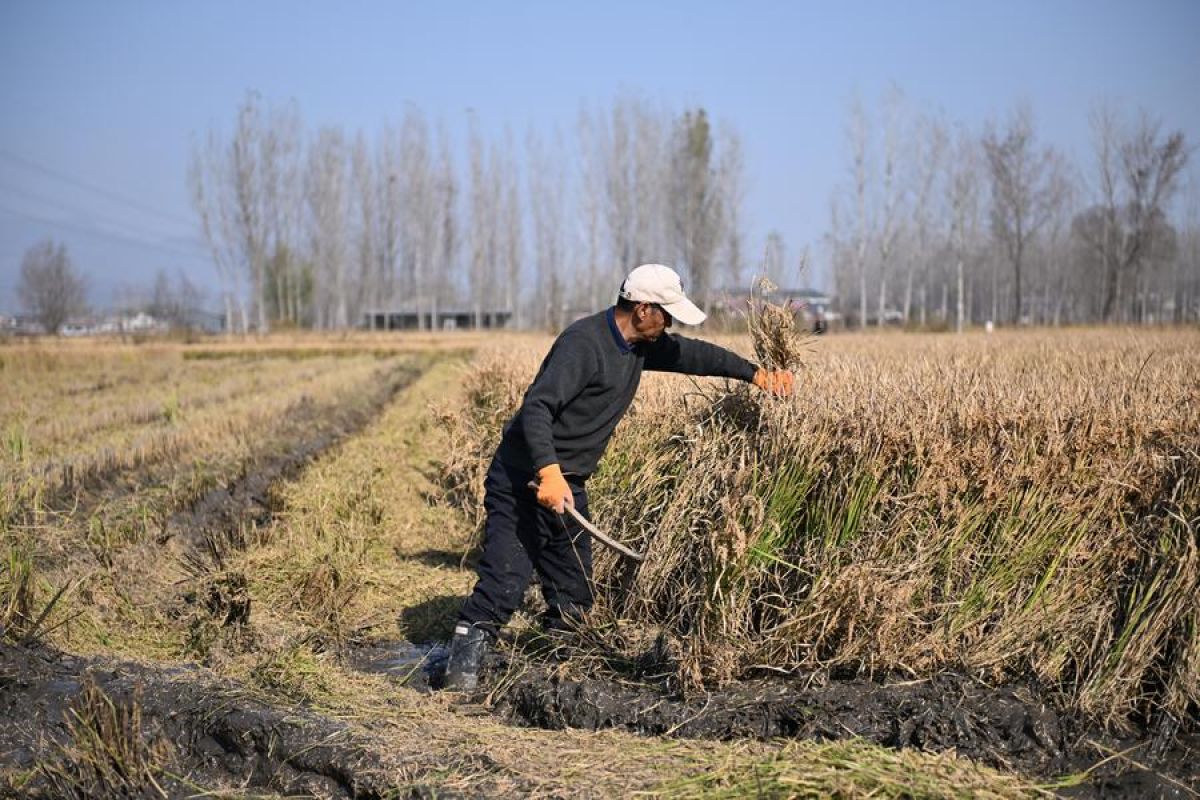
1022 504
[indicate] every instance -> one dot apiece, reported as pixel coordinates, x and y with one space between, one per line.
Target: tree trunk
958 326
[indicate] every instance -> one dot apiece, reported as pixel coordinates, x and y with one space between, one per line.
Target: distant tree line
935 225
314 228
940 225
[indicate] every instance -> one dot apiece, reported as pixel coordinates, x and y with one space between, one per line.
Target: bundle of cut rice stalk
779 341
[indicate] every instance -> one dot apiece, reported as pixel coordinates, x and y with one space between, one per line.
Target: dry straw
1015 505
779 340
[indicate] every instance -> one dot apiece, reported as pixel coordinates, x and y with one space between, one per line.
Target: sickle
596 532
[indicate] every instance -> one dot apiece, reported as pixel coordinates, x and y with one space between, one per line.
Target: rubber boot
467 649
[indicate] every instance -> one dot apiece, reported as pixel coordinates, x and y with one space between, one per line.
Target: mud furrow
218 735
304 434
1009 727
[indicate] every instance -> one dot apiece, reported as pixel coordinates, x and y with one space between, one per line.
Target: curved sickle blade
596 532
604 538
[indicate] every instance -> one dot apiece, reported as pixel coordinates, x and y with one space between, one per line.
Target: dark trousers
520 536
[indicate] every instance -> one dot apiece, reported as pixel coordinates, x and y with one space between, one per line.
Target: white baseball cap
657 283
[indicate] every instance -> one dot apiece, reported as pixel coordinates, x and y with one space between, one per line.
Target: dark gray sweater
585 385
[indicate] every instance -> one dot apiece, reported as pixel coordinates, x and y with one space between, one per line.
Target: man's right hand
553 491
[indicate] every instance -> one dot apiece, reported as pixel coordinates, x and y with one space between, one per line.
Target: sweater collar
622 345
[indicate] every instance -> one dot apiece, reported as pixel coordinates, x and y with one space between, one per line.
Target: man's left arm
670 353
680 354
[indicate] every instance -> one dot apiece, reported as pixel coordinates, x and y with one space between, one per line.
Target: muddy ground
213 734
209 731
1015 727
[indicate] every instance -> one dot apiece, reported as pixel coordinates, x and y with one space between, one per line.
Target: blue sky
101 100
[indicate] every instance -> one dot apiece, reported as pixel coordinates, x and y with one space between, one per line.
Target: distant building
136 322
20 325
814 307
195 319
141 322
113 324
444 320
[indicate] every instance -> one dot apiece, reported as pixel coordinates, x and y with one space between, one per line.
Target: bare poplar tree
1186 288
326 189
247 193
419 208
250 213
283 200
162 303
1061 190
929 152
389 213
364 196
617 145
547 190
509 241
1150 164
697 210
840 246
1099 227
774 256
591 197
622 211
653 184
892 197
49 288
482 233
447 221
964 187
1022 195
626 183
731 178
858 147
209 192
174 303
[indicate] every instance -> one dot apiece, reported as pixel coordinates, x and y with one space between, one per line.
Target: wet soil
214 733
1015 727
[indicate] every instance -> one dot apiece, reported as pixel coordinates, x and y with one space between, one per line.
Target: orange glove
553 491
778 382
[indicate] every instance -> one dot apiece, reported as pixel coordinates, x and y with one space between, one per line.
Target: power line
126 240
111 195
60 206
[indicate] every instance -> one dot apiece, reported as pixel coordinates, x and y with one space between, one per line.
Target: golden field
1021 503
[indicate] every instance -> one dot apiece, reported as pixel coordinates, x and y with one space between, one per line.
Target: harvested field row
124 729
64 423
209 433
162 519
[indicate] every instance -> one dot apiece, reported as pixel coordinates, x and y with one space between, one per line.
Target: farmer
581 391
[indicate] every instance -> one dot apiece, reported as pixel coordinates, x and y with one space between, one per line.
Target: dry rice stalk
779 341
109 753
